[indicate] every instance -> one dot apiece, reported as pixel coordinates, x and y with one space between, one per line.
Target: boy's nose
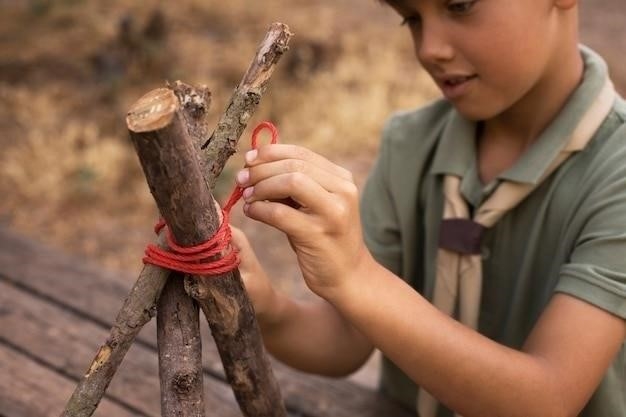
433 45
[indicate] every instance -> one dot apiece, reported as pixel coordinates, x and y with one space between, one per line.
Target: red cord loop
216 256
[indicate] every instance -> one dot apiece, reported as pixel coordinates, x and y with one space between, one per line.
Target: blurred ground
69 70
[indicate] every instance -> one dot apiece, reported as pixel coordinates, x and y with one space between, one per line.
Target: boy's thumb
239 240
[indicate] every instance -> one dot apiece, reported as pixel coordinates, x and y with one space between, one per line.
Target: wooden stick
180 352
140 305
169 161
223 142
195 103
138 308
224 300
178 326
160 127
143 298
238 339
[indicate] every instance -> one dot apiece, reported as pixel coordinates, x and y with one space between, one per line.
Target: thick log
158 129
140 305
180 352
169 161
231 318
138 308
178 328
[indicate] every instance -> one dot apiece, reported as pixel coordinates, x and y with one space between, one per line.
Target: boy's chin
474 112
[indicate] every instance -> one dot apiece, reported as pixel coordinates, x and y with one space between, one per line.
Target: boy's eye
412 21
461 7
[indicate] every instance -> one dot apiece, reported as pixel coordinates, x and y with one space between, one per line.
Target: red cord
201 259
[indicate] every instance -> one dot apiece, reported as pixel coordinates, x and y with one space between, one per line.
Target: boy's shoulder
620 108
603 159
614 127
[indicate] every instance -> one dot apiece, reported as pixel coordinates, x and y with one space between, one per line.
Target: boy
502 205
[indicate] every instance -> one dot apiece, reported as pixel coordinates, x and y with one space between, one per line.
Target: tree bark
140 305
158 127
172 170
223 300
180 352
223 142
178 325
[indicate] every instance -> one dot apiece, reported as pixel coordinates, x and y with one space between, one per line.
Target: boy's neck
504 138
526 119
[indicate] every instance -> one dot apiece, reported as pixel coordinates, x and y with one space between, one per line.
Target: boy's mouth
456 80
454 86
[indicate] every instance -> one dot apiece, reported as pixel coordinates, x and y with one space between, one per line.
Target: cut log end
153 111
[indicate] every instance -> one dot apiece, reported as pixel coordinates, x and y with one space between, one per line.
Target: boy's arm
313 337
555 373
308 335
558 369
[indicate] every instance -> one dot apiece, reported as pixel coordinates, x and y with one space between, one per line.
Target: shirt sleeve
378 214
596 271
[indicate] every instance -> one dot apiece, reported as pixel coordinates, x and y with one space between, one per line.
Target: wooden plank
98 294
65 342
28 389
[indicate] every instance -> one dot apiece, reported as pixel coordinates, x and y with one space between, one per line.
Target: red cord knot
216 256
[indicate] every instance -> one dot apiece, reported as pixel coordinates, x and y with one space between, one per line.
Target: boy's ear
565 4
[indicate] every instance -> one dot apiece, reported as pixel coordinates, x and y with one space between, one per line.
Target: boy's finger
269 153
296 186
239 240
252 175
284 218
249 262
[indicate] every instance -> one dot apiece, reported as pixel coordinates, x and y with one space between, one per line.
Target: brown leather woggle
461 236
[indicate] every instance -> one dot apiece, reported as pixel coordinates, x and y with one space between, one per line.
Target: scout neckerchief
459 267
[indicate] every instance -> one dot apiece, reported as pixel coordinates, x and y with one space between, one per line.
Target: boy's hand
323 225
258 286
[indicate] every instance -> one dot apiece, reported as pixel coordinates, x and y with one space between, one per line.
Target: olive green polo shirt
568 235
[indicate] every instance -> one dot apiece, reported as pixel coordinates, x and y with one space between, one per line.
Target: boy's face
485 55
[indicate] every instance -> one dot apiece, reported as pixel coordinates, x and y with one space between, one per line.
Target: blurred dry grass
70 69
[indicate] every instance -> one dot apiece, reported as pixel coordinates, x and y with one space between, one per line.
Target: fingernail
246 206
247 193
243 176
251 156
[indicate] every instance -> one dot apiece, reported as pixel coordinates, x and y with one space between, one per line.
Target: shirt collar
456 152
